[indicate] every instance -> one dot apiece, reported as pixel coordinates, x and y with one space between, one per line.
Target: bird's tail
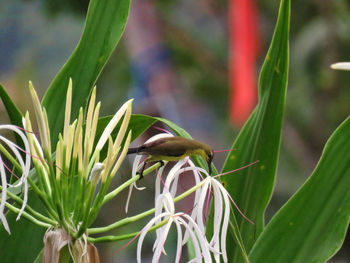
133 150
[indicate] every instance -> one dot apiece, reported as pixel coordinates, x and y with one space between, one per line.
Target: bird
173 149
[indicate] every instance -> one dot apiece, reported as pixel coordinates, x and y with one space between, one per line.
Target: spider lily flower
195 222
67 175
165 211
24 167
209 185
221 214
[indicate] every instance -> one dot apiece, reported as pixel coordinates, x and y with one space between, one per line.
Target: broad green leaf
40 257
13 112
259 139
311 226
105 23
15 247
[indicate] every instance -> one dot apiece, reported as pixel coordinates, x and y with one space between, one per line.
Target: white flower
194 224
25 167
341 66
221 214
165 211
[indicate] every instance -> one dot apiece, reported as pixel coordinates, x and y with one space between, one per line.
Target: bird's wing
164 147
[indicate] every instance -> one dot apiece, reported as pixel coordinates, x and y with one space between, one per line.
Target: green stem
10 158
27 216
127 236
99 203
128 220
108 197
42 197
31 210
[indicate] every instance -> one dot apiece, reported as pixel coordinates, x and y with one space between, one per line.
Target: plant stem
31 210
128 220
112 194
122 237
27 216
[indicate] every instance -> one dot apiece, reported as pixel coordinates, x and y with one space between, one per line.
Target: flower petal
3 196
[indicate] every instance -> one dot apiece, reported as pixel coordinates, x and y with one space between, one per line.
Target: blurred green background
173 59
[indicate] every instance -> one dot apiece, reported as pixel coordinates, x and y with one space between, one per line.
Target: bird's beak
209 165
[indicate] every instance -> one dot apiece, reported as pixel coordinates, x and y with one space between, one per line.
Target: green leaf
104 26
312 225
23 233
14 113
40 257
259 139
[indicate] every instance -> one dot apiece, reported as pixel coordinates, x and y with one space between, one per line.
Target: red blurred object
243 37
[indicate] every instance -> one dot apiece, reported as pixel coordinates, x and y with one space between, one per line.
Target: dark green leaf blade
14 113
312 225
104 26
15 247
260 138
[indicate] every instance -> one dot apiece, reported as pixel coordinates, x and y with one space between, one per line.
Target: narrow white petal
25 166
172 175
3 196
111 125
202 240
341 66
179 241
128 199
194 213
25 200
161 241
225 223
158 210
143 234
218 204
135 168
201 205
196 245
169 205
159 136
218 208
196 172
15 151
158 182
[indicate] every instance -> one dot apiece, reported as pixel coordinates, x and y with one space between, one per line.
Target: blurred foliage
54 7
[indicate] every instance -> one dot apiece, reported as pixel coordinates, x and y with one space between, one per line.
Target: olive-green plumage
174 149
